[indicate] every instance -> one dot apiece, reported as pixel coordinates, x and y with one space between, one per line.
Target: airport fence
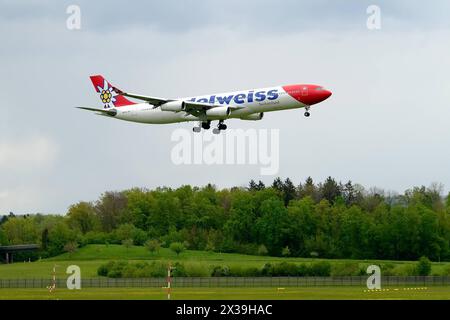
223 282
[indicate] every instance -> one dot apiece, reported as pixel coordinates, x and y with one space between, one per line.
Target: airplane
243 105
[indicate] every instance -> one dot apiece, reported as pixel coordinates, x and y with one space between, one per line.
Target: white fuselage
242 103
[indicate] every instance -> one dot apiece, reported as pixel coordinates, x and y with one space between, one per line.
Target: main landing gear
202 124
206 125
307 114
220 126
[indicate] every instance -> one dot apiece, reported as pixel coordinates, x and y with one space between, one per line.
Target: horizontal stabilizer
108 112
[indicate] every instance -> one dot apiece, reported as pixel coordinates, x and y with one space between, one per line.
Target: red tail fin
109 95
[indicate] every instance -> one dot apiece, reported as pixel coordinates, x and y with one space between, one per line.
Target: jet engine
218 112
175 106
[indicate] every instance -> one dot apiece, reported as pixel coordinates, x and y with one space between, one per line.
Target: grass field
316 293
89 258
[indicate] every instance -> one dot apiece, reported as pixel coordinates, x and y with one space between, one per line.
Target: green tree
252 186
447 202
286 252
167 212
261 186
302 227
82 216
177 247
140 205
262 250
71 247
423 267
308 189
127 243
3 238
278 185
272 225
240 224
330 190
20 230
153 245
44 239
110 208
59 235
289 191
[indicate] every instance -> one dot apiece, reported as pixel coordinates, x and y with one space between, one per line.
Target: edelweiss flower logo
107 94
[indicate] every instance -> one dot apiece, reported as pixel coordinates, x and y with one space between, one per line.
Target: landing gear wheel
196 129
307 114
222 126
206 125
216 131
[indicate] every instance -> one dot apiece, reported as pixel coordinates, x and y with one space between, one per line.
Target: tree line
327 219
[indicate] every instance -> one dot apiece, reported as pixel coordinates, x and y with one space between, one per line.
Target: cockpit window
319 89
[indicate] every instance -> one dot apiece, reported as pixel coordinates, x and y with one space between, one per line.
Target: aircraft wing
190 105
104 112
199 108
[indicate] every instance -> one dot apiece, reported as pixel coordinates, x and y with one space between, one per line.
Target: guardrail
230 282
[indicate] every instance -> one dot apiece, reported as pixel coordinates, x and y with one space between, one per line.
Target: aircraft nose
308 94
320 94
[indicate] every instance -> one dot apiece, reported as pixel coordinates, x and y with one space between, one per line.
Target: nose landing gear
307 114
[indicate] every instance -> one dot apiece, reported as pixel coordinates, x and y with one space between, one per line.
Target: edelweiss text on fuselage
240 98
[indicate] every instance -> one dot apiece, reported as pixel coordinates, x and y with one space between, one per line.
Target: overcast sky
386 125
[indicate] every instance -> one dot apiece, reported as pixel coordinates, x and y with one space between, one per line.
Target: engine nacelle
175 106
253 116
218 112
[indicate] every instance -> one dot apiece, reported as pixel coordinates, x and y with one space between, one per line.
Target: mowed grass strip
316 293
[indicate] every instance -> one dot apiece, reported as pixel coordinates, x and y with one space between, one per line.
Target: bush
219 271
70 247
244 248
286 252
210 247
262 250
320 269
93 237
405 270
122 269
387 269
267 270
285 269
139 237
104 269
423 267
179 270
197 270
157 270
303 270
129 271
250 272
116 270
127 243
345 269
172 237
